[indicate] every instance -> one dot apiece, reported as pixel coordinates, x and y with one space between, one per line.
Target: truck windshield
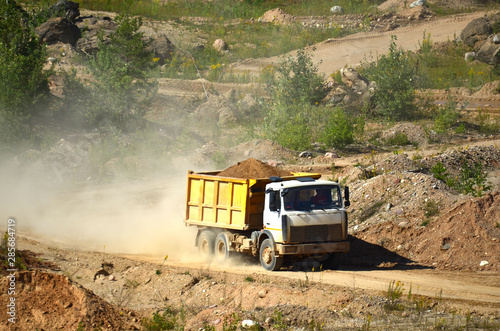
312 198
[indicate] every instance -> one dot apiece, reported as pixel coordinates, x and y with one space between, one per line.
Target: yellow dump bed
225 202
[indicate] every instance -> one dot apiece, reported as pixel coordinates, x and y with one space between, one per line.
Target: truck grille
316 233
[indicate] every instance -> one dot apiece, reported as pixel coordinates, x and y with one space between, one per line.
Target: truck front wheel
206 245
268 258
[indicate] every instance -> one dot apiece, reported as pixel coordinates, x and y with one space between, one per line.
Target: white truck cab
306 217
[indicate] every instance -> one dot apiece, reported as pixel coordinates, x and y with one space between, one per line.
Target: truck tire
221 250
206 245
268 258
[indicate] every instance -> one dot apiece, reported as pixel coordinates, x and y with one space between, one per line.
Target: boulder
477 30
220 45
162 48
91 27
59 29
216 109
64 8
359 89
489 51
336 10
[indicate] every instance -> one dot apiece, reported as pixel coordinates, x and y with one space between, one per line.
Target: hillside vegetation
113 91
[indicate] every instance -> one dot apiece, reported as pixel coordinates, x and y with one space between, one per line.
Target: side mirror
347 202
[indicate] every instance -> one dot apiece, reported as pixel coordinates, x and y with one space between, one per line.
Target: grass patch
229 9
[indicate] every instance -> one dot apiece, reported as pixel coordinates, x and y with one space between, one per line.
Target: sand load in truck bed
252 168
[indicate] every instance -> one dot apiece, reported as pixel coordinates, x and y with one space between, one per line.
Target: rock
417 3
489 51
91 27
403 224
483 263
269 320
496 39
331 155
59 29
446 247
262 294
306 154
162 48
388 207
477 30
470 56
247 323
217 321
359 89
216 109
220 45
69 9
111 278
336 10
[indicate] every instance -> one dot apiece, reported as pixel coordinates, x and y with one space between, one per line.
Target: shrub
122 89
446 116
399 139
289 125
298 81
340 128
439 171
395 77
23 80
165 321
473 180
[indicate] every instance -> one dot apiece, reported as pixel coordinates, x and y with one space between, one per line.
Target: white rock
247 323
483 263
417 3
470 56
336 10
220 45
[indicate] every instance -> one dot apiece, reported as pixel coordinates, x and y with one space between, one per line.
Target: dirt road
350 51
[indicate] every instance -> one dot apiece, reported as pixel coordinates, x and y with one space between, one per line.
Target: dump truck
280 220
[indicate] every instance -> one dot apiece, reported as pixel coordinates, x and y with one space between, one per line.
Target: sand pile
277 16
467 237
53 302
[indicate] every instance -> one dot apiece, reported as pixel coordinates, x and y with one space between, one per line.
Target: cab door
272 214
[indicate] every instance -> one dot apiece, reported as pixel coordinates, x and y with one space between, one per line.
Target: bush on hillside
394 74
23 80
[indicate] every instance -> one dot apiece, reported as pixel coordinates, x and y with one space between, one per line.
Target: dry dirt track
483 287
350 51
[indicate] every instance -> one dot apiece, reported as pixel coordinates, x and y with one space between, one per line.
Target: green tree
122 68
395 76
23 80
298 81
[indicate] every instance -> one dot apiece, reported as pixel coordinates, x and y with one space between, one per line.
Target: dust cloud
134 217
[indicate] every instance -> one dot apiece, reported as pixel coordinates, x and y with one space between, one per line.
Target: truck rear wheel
221 248
206 245
268 258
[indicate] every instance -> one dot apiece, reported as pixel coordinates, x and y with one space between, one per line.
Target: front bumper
315 248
